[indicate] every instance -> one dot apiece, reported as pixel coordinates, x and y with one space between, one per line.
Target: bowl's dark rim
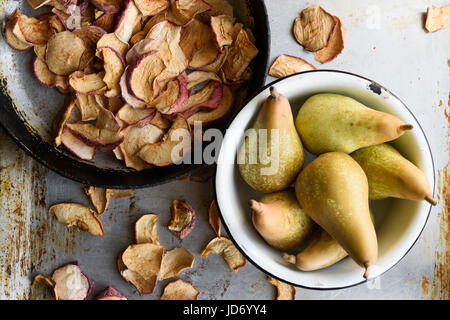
37 155
375 84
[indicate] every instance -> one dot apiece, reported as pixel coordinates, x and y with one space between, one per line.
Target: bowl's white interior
398 222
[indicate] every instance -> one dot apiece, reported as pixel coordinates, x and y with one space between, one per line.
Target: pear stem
274 92
368 267
405 127
289 258
431 200
256 206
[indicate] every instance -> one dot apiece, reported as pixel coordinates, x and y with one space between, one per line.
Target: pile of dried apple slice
136 70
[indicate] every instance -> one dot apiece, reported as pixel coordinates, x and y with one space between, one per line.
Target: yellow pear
391 175
334 192
332 122
323 251
270 160
280 220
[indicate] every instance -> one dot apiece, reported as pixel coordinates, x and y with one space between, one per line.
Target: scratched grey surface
385 42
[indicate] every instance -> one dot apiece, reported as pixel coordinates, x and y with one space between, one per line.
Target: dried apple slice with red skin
107 22
241 53
71 283
99 197
144 259
151 7
207 98
114 66
285 65
230 253
39 50
64 52
175 261
108 6
110 40
191 8
13 35
222 27
135 138
216 65
335 44
129 21
138 50
142 285
75 214
174 97
180 290
140 77
77 146
90 36
313 28
210 116
145 230
61 119
197 77
107 120
110 293
87 83
218 7
174 15
284 291
160 121
88 106
161 154
133 116
138 36
127 96
34 31
45 77
183 218
95 137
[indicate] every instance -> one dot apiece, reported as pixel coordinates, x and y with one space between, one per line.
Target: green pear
278 164
334 192
332 122
280 220
323 251
391 175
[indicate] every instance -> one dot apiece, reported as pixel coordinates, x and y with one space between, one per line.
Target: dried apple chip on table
145 229
110 293
284 291
214 219
75 214
42 288
231 255
286 65
437 18
335 44
313 28
175 261
99 198
144 259
180 290
142 285
183 218
122 193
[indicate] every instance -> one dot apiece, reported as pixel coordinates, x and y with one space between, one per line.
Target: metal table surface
385 42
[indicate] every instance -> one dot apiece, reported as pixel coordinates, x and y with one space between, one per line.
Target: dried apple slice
76 146
114 67
142 285
144 259
110 293
34 31
231 255
160 121
151 7
207 98
74 214
191 8
99 198
170 150
135 138
241 53
197 77
313 28
90 36
110 40
39 50
122 193
45 76
64 52
175 261
88 106
286 65
126 95
180 290
218 7
87 83
71 283
36 4
13 35
174 97
209 116
145 229
133 116
222 26
108 6
142 75
183 218
129 21
284 291
42 288
139 49
107 22
174 15
214 219
335 44
437 18
95 137
61 119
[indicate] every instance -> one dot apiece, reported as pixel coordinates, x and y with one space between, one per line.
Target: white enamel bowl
399 223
